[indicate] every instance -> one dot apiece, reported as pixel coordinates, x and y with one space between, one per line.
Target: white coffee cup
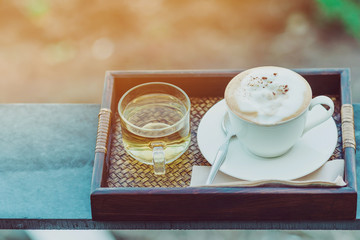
268 135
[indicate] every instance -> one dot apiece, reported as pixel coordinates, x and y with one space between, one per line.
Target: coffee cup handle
312 121
159 160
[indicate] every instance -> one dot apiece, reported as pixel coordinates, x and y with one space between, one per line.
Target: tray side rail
223 204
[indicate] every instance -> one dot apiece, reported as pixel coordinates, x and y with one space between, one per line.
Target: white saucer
308 154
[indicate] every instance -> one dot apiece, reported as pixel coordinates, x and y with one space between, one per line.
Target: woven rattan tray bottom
124 171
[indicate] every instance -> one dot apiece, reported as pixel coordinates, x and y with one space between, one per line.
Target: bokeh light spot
102 48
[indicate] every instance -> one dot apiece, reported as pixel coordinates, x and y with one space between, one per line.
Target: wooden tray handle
103 130
347 125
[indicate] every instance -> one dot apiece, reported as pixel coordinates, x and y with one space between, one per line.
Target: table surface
46 163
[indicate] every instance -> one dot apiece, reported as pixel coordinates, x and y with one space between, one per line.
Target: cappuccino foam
268 95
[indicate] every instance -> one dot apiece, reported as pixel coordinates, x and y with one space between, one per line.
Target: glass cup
155 123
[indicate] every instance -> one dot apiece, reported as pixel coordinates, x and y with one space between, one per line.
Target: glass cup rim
154 83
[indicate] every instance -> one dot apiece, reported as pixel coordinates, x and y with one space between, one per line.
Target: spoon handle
219 159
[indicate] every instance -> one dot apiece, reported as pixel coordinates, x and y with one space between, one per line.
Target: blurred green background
59 50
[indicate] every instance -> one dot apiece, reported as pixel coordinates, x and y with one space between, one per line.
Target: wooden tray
123 189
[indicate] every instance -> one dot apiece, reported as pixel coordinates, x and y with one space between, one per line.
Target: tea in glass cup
155 123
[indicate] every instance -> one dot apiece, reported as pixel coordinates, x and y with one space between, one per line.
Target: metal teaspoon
221 154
